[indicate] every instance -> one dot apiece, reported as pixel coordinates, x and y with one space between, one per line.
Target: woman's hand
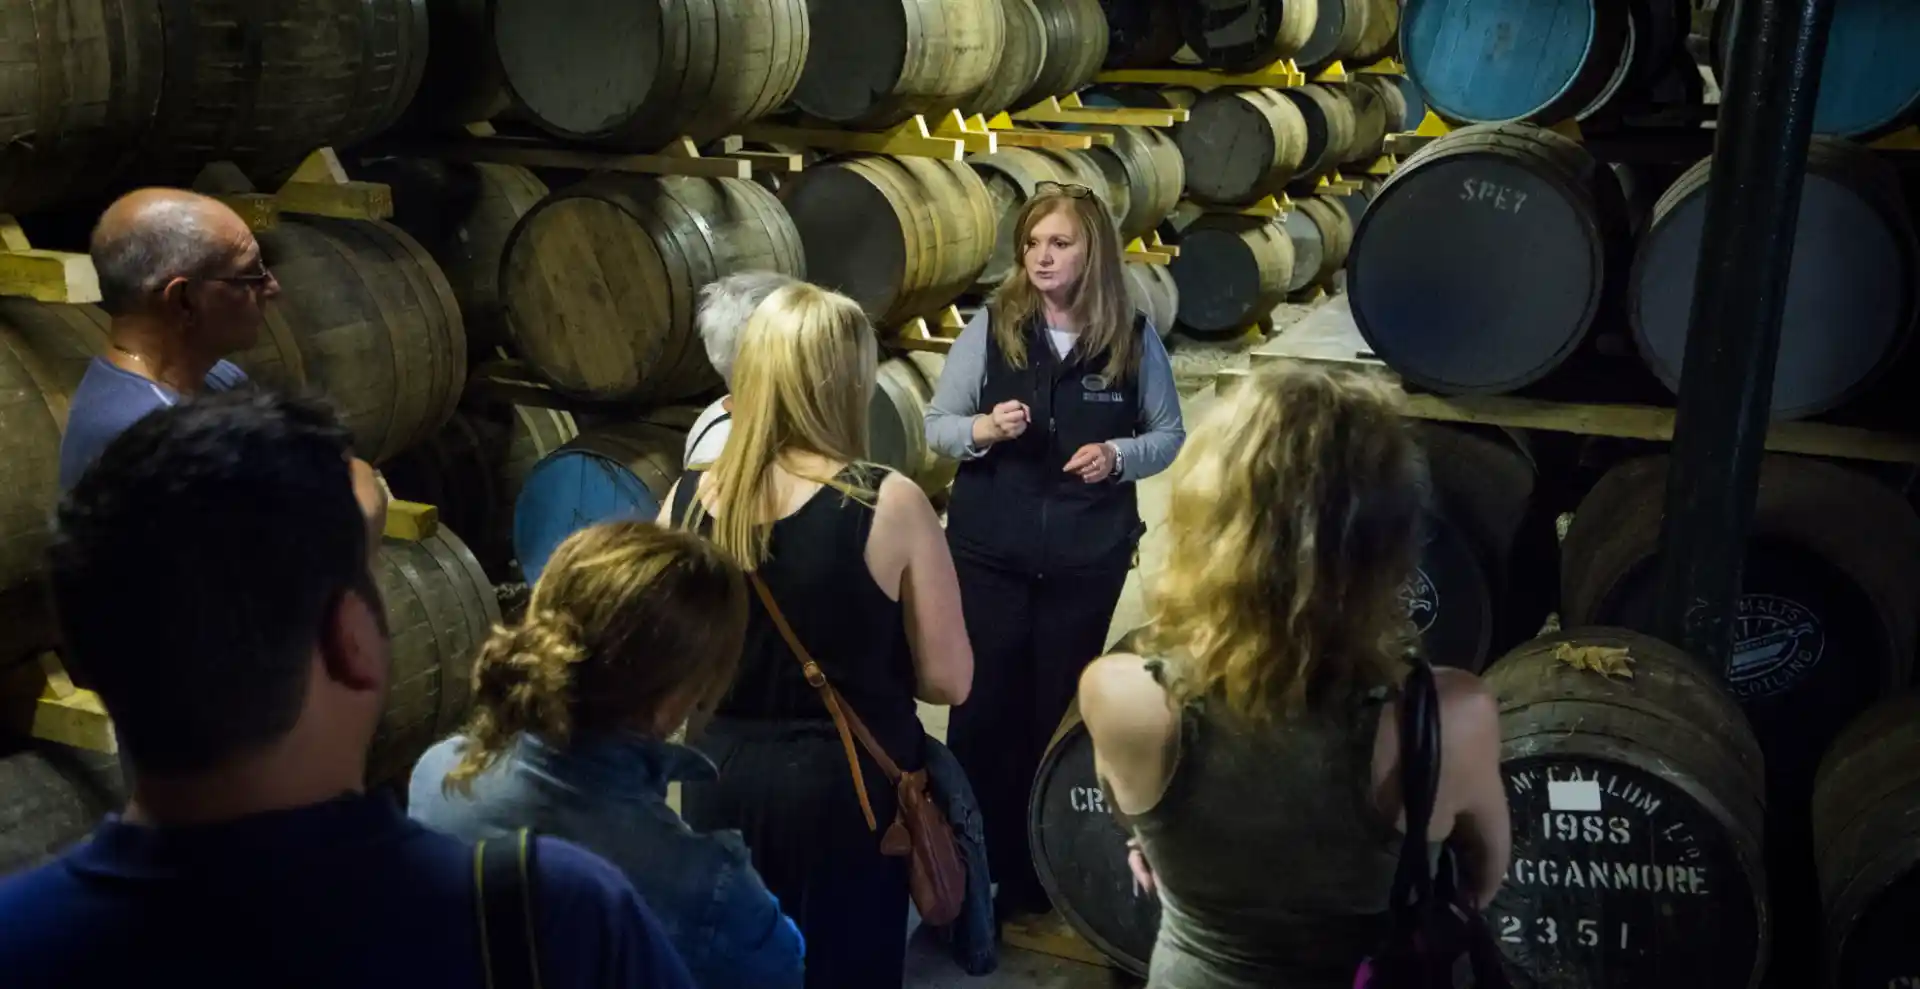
1007 421
1137 864
1093 462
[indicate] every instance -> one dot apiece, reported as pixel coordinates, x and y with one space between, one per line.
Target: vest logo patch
1095 382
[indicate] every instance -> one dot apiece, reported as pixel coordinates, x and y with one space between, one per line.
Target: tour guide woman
1055 398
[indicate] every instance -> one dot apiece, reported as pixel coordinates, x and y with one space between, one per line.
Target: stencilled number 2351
1546 930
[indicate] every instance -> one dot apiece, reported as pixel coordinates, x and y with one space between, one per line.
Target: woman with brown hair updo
1056 398
1256 757
631 629
852 557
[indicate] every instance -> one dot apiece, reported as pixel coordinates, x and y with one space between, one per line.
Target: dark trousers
787 788
1031 638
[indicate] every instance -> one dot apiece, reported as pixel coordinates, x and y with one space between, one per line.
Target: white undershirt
1063 340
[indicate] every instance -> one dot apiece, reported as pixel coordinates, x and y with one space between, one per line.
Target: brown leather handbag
920 830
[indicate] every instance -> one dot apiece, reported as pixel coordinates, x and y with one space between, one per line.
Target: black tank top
817 571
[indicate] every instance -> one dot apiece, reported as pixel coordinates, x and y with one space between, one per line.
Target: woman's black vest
1014 507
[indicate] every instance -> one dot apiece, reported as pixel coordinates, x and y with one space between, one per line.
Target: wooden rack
935 335
914 138
1283 74
1329 337
1069 110
679 157
1274 207
1150 250
319 187
44 276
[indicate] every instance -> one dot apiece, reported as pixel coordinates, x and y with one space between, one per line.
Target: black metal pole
1753 206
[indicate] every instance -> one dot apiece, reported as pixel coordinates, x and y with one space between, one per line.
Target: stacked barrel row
1505 257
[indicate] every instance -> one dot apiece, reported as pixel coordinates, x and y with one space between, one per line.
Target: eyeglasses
1064 188
257 278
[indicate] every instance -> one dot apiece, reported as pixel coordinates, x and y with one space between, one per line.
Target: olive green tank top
1273 864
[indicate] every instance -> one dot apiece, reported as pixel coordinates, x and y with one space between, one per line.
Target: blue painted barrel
613 471
1850 303
1491 61
1870 82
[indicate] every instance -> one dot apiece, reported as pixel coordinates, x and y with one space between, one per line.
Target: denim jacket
609 794
973 937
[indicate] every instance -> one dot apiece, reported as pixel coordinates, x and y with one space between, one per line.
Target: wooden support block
1386 67
1139 252
40 701
1268 208
1068 110
910 139
1049 934
1014 136
1336 72
44 276
1383 166
935 336
411 521
223 180
321 168
973 133
342 200
1283 74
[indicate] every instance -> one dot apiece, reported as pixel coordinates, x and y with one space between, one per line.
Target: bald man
182 277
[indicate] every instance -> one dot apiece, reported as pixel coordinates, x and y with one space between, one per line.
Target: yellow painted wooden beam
1069 110
40 701
1282 74
911 138
44 276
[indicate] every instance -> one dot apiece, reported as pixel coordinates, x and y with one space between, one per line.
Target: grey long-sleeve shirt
956 400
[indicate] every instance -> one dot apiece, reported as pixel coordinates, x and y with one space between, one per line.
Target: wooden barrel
1153 291
1532 236
1331 128
1484 581
1321 234
1019 65
1413 105
82 87
1380 38
1850 297
614 470
1232 271
440 609
1076 45
1241 144
262 84
44 350
1357 201
897 420
1080 852
1337 28
1637 806
51 797
1150 165
641 74
1010 176
1866 828
366 317
462 215
1868 85
601 280
1490 61
474 468
1244 35
462 82
1141 34
1824 625
878 62
900 236
1372 108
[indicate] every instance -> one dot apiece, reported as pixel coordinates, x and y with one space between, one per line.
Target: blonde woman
853 557
1056 399
631 628
1255 757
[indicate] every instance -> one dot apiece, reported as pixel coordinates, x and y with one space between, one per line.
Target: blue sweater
109 400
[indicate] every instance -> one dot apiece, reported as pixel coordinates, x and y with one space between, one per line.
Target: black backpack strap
1419 722
682 507
503 871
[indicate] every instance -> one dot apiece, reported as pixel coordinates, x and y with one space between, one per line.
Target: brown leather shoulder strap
844 719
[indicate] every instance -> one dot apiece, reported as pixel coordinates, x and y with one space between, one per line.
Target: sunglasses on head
1064 188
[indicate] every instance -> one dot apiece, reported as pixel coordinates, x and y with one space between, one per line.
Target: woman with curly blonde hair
1254 757
631 629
